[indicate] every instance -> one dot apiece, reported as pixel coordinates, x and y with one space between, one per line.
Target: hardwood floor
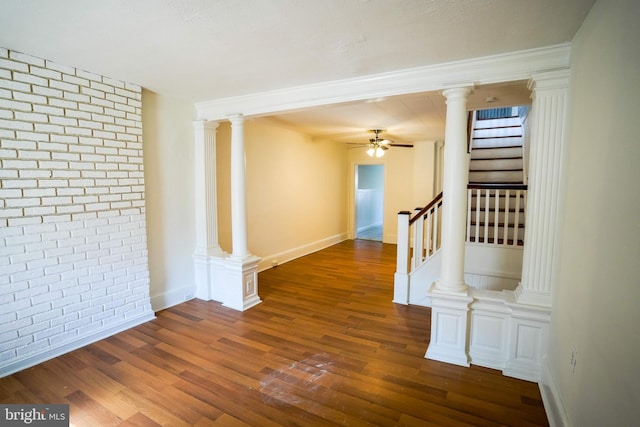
326 347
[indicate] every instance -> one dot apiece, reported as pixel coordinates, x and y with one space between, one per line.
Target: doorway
369 201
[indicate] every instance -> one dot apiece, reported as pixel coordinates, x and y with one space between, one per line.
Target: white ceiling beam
507 67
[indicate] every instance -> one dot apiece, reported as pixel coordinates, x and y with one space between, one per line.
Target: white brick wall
73 253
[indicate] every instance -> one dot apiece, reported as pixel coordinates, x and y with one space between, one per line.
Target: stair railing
495 214
422 232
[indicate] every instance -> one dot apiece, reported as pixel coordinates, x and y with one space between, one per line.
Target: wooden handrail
495 186
426 209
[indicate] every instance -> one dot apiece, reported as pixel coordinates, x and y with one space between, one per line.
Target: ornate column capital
549 80
458 92
205 125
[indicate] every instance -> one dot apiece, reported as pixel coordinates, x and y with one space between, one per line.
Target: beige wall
296 191
299 192
597 293
169 189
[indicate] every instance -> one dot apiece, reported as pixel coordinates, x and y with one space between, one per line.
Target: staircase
485 325
496 147
496 177
495 215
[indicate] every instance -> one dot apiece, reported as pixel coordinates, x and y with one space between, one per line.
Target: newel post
401 277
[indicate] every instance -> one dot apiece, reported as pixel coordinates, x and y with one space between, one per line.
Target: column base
241 285
449 327
528 342
456 289
209 276
527 297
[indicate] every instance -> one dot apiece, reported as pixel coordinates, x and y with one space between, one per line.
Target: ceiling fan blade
402 145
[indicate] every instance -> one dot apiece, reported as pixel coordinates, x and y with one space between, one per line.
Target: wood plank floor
326 347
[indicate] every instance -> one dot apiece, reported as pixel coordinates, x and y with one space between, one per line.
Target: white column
454 193
449 295
238 190
207 252
546 163
241 268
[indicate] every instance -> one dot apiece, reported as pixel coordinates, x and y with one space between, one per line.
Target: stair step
497 123
496 153
501 209
501 205
496 142
508 164
520 242
504 177
491 231
492 218
497 132
492 225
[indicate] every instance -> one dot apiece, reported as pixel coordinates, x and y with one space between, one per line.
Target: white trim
172 297
268 261
75 344
553 405
367 228
511 66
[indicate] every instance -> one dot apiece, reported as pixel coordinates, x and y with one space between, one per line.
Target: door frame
352 205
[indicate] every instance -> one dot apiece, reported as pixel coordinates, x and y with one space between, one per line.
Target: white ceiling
200 50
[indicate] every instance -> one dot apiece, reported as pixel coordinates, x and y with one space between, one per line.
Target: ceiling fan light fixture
377 146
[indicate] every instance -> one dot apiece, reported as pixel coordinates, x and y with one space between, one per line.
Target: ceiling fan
377 146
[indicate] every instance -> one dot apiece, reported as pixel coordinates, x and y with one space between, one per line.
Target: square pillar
241 290
449 326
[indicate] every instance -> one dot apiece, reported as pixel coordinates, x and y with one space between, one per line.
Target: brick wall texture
73 252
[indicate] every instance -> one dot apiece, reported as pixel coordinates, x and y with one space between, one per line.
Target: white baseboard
171 298
43 356
367 227
270 261
553 405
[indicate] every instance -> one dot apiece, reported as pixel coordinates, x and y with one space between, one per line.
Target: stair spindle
505 235
477 226
469 198
487 203
516 227
496 221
